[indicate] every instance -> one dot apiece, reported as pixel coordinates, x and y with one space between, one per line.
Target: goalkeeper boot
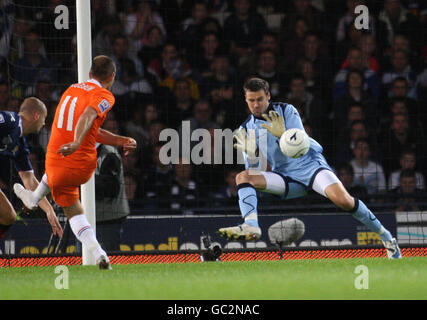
103 263
393 250
26 196
241 232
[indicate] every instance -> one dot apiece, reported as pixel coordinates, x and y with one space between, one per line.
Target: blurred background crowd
361 93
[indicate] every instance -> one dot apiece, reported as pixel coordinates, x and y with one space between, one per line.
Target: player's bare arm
31 183
108 138
82 127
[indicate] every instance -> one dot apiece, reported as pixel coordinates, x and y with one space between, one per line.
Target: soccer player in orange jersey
71 156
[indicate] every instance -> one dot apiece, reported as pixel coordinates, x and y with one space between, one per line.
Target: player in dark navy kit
13 129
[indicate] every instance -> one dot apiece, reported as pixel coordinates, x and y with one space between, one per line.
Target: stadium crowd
360 92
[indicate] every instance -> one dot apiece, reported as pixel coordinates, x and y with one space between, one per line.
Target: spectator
130 80
399 68
12 40
57 39
367 173
268 41
227 194
137 126
140 21
171 67
347 20
294 45
132 165
345 173
308 105
316 19
157 179
220 90
181 107
112 205
4 96
201 58
399 89
354 58
154 130
399 106
201 119
368 47
33 66
401 43
357 130
267 69
209 168
131 186
398 138
243 29
191 27
13 104
184 195
120 47
222 76
355 93
111 27
407 161
407 194
315 51
395 19
174 12
151 48
313 80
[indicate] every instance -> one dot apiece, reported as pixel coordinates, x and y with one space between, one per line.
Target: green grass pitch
255 280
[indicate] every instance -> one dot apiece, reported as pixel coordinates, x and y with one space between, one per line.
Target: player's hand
277 123
55 225
129 145
68 148
246 142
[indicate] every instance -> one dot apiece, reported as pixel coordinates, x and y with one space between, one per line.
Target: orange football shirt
73 102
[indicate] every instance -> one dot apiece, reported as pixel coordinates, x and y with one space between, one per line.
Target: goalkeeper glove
247 144
277 123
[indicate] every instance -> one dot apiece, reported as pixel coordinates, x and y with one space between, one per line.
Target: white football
294 143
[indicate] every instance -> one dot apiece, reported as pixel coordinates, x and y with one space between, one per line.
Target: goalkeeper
289 178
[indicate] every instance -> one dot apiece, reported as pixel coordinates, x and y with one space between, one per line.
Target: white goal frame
84 61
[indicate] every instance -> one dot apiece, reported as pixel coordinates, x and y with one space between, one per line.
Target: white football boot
241 232
393 250
25 195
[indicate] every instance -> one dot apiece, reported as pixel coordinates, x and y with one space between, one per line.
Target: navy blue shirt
12 143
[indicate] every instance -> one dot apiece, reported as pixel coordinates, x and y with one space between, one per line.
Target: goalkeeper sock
365 216
248 203
85 234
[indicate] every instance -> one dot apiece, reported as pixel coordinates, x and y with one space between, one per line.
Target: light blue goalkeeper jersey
302 169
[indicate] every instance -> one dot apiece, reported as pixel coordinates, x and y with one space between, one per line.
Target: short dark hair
346 166
102 68
360 73
362 140
401 79
255 84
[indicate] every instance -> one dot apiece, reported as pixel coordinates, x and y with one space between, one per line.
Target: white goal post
84 61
